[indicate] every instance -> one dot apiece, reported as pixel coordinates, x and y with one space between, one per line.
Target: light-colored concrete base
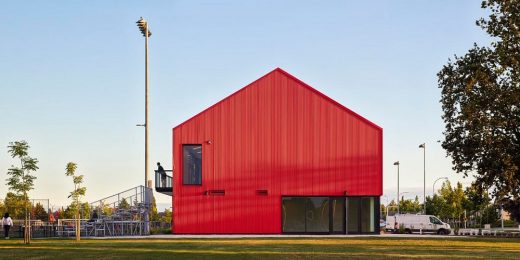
274 236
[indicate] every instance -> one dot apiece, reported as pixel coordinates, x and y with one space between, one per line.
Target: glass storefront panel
338 215
293 219
317 215
353 207
367 215
327 215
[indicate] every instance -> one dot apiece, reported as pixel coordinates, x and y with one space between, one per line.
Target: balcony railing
164 182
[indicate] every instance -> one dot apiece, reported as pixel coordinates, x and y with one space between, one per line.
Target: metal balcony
164 183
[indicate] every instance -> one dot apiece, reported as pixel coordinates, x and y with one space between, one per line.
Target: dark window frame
201 155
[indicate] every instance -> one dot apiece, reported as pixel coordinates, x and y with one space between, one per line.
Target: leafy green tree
476 198
480 101
123 204
382 208
76 194
40 213
105 209
14 204
453 200
68 213
2 207
20 180
167 216
391 208
434 205
85 210
154 216
409 206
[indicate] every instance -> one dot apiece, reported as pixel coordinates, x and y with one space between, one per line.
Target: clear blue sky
72 76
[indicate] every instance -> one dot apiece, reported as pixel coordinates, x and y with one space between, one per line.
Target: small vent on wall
261 192
215 192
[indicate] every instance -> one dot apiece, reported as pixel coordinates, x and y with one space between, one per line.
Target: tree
105 209
14 204
434 205
481 107
409 206
76 194
453 200
40 213
85 210
391 208
154 216
382 209
167 216
123 204
2 207
68 213
477 198
20 179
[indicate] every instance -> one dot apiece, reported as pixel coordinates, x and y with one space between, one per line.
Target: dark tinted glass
293 215
317 214
367 214
192 164
338 215
353 214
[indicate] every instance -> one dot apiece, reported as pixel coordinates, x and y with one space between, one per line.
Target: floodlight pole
143 26
146 125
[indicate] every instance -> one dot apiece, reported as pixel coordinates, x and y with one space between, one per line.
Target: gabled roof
305 85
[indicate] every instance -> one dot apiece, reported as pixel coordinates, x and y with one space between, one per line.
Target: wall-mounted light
209 142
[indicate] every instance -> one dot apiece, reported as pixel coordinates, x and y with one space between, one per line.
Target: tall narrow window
192 164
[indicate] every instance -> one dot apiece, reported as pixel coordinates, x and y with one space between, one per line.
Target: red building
277 157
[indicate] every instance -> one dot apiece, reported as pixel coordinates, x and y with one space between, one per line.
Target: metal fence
88 229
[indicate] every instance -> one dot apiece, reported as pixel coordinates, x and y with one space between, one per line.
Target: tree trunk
27 223
78 227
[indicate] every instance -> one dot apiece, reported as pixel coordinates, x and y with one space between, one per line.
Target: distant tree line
453 203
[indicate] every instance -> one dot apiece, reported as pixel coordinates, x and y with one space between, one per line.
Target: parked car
417 223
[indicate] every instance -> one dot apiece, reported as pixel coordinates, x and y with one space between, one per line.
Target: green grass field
257 248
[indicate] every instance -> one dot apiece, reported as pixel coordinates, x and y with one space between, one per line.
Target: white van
416 223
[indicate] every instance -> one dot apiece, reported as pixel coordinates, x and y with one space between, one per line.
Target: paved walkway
274 236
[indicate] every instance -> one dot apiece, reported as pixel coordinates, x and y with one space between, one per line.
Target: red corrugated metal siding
277 134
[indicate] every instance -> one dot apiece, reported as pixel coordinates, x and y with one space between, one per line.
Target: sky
72 77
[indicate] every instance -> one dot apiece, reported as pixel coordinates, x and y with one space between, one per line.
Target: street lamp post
397 163
423 146
433 189
143 27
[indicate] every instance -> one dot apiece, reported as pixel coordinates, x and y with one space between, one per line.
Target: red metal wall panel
276 134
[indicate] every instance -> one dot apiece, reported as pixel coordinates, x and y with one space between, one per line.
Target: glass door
362 215
337 215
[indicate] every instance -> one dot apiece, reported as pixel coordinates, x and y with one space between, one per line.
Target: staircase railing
163 181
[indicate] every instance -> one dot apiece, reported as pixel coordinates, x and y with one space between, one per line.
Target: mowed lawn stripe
282 248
